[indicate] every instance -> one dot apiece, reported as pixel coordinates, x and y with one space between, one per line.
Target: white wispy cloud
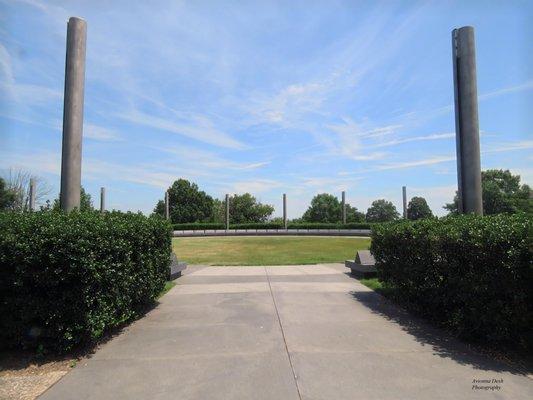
417 163
253 186
101 133
289 104
25 94
208 159
436 136
154 174
418 116
508 146
528 85
199 128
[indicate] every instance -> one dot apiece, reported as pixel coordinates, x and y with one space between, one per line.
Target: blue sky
265 97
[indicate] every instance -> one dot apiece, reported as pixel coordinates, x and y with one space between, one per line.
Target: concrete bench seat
176 267
364 265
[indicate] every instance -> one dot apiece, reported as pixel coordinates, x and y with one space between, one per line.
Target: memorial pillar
466 121
73 115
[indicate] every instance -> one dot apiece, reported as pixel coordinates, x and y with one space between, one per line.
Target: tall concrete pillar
73 114
167 206
404 195
102 199
466 121
284 211
227 211
32 193
343 207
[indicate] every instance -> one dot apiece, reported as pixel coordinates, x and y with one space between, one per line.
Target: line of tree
189 204
502 193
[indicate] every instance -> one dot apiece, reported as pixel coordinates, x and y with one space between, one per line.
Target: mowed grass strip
267 250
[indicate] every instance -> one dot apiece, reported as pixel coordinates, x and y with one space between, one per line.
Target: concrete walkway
282 333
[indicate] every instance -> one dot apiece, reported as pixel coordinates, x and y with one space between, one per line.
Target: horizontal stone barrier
273 232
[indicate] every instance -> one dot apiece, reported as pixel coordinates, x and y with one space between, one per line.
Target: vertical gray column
227 211
284 211
466 121
102 199
32 194
404 198
73 114
343 207
167 206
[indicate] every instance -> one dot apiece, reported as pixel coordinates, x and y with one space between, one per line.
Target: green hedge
198 226
319 225
257 225
472 275
269 225
66 278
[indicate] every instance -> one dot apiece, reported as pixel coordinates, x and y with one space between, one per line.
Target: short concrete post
102 199
466 121
167 206
404 195
73 115
32 194
343 207
284 211
227 211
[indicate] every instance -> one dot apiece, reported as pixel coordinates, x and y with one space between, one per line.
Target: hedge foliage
198 226
319 225
472 275
257 225
66 278
270 225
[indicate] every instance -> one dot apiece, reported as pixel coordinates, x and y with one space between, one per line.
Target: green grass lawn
267 250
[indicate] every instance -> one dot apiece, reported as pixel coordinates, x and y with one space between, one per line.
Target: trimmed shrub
472 275
321 225
67 278
257 225
270 225
195 226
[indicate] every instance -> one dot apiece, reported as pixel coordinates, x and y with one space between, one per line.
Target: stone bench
363 266
176 267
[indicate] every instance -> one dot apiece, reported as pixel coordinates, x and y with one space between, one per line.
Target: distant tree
17 182
502 193
218 211
7 197
243 208
381 211
324 208
353 215
418 209
160 208
86 203
187 203
277 220
327 208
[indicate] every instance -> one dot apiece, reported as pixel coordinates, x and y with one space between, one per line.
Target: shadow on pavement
442 343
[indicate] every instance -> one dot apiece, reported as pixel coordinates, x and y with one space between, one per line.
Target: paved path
282 333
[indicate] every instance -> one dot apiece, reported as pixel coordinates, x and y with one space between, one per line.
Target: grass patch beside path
376 285
285 250
168 285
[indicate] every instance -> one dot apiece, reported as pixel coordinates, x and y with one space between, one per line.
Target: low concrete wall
274 232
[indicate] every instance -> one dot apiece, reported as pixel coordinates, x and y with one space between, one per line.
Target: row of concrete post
466 121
